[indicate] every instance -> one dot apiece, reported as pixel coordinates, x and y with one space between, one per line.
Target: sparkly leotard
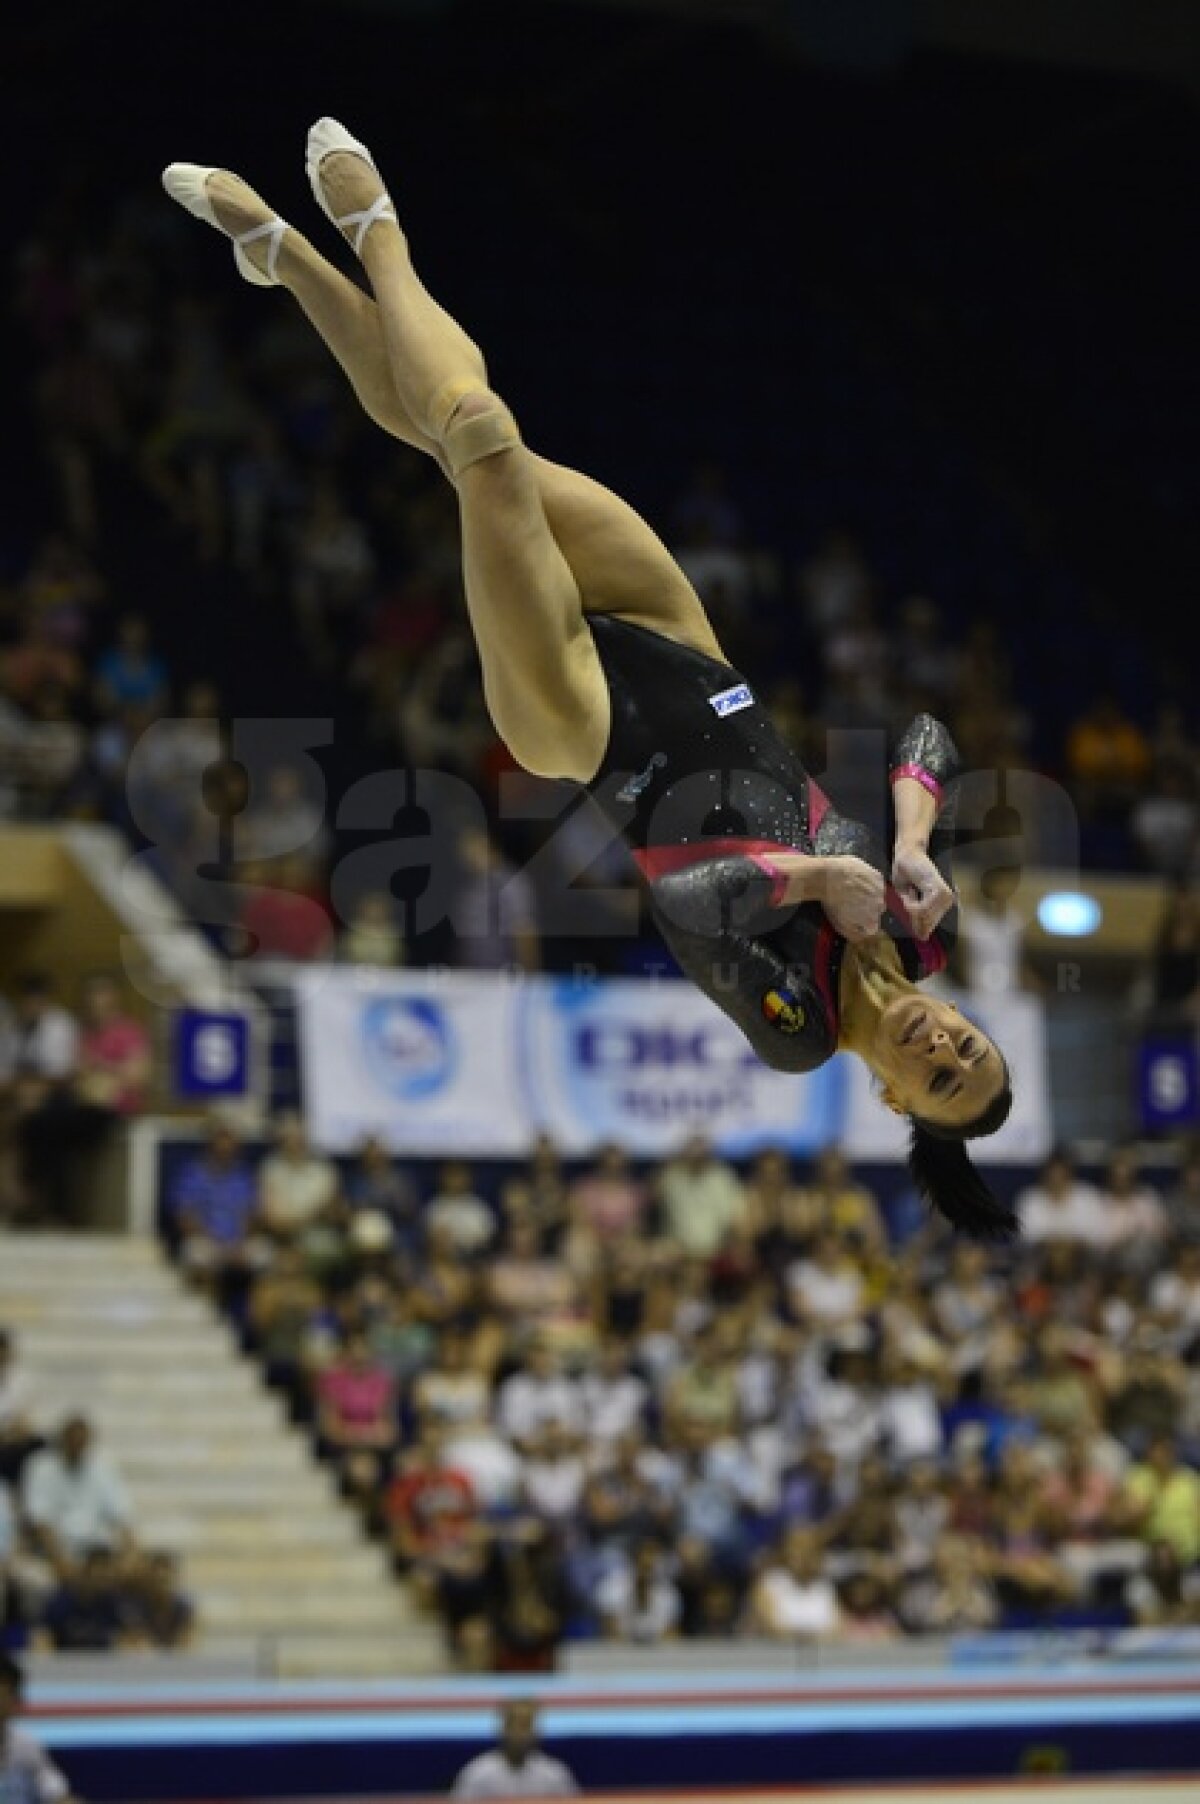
699 781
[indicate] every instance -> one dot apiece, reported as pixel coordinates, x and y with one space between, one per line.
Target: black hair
12 1675
945 1176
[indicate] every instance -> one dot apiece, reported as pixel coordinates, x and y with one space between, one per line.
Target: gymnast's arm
744 892
923 767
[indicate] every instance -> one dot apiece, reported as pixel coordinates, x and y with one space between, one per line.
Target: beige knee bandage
480 435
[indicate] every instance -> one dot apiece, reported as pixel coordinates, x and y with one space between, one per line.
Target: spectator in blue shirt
213 1217
129 674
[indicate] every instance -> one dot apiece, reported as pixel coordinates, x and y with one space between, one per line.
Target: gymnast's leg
617 563
346 318
620 564
541 672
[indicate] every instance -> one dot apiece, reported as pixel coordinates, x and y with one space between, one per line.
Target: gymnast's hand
855 897
922 889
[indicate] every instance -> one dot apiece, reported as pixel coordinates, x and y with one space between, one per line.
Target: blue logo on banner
408 1046
1169 1081
212 1054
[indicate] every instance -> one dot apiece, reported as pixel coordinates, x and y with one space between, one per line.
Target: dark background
944 292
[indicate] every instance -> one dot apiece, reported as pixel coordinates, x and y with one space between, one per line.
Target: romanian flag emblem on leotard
783 1010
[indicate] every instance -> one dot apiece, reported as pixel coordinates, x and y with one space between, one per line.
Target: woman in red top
358 1421
356 1399
114 1049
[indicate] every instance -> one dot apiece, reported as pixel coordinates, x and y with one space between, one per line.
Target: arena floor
1033 1790
1100 1791
1026 1791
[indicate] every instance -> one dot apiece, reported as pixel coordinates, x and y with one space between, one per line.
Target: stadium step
362 1654
271 1554
248 1534
365 1655
275 1609
261 1560
123 1418
110 1253
49 1309
130 1382
189 1454
131 1344
210 1491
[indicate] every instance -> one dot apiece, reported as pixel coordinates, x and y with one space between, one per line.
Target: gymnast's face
934 1063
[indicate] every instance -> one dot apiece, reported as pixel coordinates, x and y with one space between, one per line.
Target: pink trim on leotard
931 953
827 938
661 861
920 775
818 806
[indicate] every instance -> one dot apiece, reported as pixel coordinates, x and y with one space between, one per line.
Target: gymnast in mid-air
600 665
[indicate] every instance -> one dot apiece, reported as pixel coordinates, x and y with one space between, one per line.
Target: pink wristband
778 878
921 776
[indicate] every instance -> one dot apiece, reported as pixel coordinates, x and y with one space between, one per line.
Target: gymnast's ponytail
945 1176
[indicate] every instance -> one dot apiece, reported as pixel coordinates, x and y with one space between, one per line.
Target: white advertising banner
423 1063
442 1062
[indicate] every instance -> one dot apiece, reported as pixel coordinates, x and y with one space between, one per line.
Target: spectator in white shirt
701 1198
837 1398
911 1418
991 953
794 1600
922 1512
826 1289
298 1186
615 1397
289 817
539 1395
638 1600
456 1210
967 1304
1175 1298
39 1038
27 1773
1134 1215
39 1061
74 1499
554 1475
1061 1206
517 1768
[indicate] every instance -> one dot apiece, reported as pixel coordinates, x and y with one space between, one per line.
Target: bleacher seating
270 1555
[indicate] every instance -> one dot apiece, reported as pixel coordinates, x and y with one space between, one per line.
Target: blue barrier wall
265 1742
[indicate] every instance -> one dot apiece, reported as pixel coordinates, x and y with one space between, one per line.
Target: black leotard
699 781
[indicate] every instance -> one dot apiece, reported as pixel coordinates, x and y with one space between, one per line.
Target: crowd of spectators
74 1573
232 428
701 1398
69 1077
